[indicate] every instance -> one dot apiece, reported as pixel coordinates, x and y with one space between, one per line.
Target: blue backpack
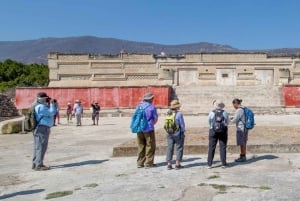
139 120
249 118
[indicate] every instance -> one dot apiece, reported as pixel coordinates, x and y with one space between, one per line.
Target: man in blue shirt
44 113
146 139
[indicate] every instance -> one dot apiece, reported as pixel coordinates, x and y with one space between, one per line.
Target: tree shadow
254 159
27 192
89 162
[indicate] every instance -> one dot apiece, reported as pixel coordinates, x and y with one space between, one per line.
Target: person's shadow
253 160
195 164
185 161
27 192
89 162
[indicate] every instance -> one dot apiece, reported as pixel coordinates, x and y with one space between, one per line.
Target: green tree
14 74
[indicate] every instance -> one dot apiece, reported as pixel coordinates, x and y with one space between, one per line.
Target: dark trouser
78 119
146 148
54 119
172 141
69 116
213 140
41 137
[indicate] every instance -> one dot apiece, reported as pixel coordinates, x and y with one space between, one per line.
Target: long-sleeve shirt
151 115
78 109
44 114
179 120
211 117
238 119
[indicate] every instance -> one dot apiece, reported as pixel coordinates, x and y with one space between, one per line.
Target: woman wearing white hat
176 136
218 131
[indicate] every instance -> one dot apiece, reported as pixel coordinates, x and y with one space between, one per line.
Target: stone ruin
7 109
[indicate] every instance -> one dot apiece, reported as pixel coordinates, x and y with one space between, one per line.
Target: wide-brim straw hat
218 104
148 96
175 104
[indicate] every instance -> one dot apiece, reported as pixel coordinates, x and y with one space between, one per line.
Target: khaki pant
146 148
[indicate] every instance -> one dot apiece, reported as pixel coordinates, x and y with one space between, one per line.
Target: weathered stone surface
7 108
11 126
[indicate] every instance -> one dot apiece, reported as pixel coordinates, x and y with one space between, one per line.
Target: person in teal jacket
44 113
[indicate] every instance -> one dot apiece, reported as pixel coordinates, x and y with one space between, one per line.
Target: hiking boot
150 166
241 159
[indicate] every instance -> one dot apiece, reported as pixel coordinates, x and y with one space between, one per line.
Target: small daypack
249 118
169 124
218 124
139 120
30 122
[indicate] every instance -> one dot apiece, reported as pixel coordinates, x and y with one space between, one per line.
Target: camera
48 100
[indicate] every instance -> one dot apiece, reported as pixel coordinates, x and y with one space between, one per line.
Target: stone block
11 126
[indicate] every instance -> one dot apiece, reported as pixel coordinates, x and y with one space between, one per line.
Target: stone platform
262 139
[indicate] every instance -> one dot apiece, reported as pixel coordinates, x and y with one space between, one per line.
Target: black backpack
218 124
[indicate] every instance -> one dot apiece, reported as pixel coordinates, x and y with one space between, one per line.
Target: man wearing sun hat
146 139
78 111
95 112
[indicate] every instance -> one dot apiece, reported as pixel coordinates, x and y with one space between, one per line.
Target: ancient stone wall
7 108
201 69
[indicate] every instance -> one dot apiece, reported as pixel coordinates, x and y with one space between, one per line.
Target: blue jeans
41 137
173 140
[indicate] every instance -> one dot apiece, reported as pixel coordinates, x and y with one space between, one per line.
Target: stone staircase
197 100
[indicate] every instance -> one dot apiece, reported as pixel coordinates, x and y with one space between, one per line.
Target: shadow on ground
5 196
89 162
254 159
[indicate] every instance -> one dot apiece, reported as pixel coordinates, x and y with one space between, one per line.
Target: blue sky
243 24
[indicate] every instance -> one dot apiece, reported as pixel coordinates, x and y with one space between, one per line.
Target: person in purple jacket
146 139
176 138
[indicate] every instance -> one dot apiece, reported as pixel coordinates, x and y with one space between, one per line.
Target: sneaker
140 166
177 167
223 166
33 166
241 159
209 167
169 167
42 167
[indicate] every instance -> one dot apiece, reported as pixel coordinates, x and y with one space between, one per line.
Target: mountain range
35 51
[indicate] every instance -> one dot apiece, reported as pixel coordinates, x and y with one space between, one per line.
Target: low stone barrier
11 126
262 139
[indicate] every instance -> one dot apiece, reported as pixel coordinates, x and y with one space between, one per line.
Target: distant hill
35 51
